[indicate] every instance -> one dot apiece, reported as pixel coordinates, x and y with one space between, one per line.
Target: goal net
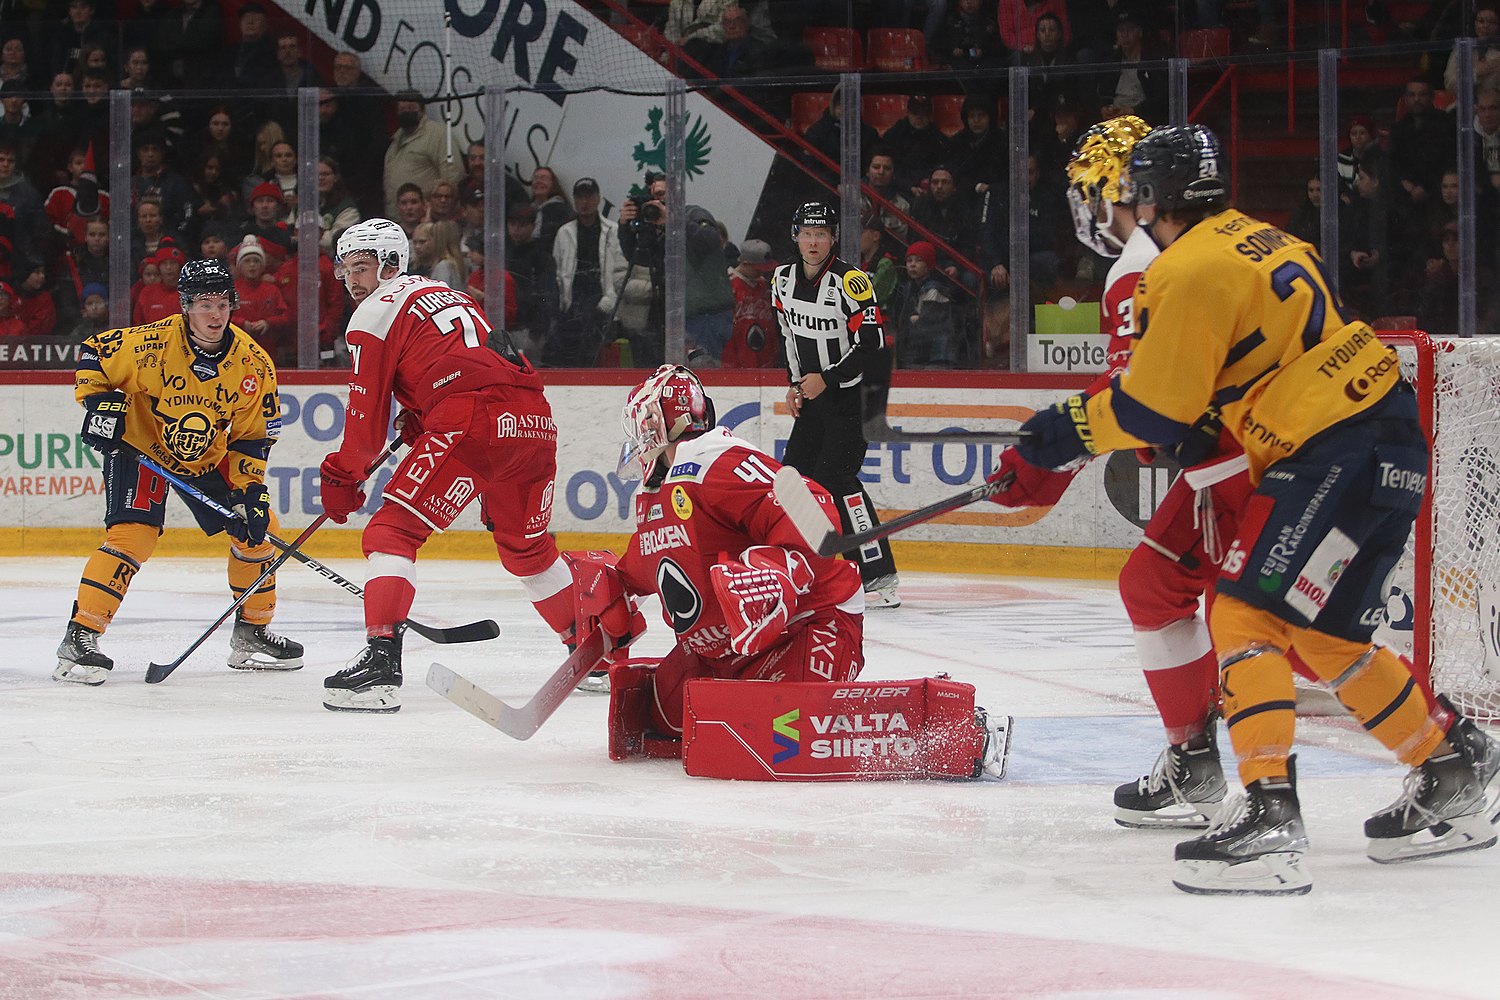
1448 585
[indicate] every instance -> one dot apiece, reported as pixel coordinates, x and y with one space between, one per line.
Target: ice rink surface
221 835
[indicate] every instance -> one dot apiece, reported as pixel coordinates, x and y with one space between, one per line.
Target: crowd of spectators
215 176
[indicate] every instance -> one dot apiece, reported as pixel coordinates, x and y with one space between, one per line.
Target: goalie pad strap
853 731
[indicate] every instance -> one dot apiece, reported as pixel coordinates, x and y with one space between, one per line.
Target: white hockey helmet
380 238
669 406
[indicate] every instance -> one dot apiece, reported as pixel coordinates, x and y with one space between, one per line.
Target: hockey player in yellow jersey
1236 322
197 395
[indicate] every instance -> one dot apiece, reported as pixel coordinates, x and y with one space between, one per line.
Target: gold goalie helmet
1094 180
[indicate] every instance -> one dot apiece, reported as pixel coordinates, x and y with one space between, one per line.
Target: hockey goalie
761 681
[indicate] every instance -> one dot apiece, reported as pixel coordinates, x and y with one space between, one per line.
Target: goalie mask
1095 180
381 240
669 406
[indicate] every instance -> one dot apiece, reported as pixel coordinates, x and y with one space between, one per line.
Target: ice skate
369 684
997 730
1183 790
79 660
881 592
254 647
597 682
1444 806
1254 847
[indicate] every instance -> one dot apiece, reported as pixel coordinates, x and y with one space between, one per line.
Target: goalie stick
520 723
824 539
473 632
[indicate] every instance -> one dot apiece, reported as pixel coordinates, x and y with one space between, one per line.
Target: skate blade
91 676
384 698
595 683
1174 817
251 664
1268 875
1466 833
1000 727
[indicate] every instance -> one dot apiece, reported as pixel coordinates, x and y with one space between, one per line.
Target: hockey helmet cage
815 213
1178 167
669 406
380 238
1095 180
206 277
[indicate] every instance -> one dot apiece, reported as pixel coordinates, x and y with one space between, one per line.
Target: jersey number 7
466 316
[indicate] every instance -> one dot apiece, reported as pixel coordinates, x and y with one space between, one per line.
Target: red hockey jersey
421 341
714 503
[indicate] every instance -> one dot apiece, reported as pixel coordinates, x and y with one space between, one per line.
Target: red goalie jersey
715 503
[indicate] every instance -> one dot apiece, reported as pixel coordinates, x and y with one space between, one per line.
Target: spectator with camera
643 219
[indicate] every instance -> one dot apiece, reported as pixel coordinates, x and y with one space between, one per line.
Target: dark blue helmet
206 277
1178 167
815 213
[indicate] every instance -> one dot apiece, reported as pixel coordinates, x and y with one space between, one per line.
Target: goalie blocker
816 731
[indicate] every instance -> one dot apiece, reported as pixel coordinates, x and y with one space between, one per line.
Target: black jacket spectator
921 145
192 44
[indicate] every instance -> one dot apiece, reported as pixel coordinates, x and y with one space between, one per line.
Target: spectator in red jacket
10 323
33 303
262 311
160 300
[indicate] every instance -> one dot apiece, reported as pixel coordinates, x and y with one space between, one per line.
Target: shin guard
245 567
107 574
1255 676
1378 690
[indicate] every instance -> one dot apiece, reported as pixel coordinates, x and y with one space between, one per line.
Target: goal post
1451 571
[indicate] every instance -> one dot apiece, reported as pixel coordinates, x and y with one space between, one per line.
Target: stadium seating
897 50
837 50
881 111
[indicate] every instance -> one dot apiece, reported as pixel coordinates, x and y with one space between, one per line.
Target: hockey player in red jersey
1177 560
478 425
745 596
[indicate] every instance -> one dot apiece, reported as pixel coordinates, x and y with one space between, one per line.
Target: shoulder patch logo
857 286
249 385
682 505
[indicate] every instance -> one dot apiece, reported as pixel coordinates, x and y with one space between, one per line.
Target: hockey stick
473 632
807 514
158 672
520 723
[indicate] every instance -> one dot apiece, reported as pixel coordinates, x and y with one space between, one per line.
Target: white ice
221 835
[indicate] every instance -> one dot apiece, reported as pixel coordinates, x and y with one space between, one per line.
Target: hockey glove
253 504
340 494
1059 436
1028 485
104 421
1202 440
409 426
758 594
601 600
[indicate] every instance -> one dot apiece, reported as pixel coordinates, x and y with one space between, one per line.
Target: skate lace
1163 774
1235 812
1408 803
87 641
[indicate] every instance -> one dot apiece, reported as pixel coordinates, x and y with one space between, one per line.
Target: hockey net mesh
1455 615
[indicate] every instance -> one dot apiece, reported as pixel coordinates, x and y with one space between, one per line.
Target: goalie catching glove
758 594
1059 436
253 504
104 421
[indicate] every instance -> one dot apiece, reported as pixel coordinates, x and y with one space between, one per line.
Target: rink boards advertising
50 480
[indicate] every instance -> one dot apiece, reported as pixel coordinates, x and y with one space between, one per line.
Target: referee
831 325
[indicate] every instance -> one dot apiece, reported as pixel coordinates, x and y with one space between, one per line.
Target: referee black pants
828 446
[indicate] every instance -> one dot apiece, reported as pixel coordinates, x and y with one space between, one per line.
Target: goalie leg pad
901 729
632 692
